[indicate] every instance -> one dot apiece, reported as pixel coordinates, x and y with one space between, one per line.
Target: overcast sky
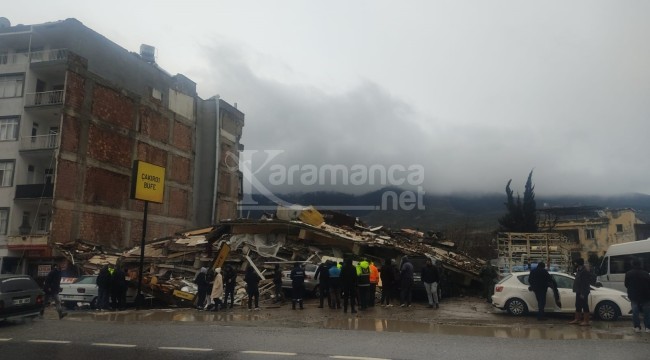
474 92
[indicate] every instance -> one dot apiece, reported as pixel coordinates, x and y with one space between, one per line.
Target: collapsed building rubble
292 235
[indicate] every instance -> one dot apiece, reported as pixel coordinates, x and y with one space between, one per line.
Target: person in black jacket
118 289
229 280
52 288
103 288
637 282
539 281
252 280
201 282
387 276
277 282
323 276
349 284
297 285
431 279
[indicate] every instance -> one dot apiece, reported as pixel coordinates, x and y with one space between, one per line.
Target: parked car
85 290
311 285
419 262
20 297
512 294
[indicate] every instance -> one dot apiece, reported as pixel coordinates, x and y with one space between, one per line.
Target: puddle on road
138 316
518 332
543 331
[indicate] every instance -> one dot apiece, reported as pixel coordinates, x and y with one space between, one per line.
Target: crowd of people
342 285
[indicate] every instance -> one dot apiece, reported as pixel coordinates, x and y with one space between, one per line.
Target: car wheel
316 292
516 307
607 311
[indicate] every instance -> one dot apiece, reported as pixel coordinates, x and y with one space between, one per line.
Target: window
11 86
4 220
589 233
43 220
9 128
563 282
619 228
6 172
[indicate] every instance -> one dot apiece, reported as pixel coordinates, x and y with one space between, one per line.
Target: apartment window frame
6 91
7 172
590 234
4 220
42 222
9 128
619 228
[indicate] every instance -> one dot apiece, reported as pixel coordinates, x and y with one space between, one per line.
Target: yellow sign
147 182
183 295
222 256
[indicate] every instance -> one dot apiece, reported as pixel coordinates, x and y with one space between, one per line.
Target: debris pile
292 235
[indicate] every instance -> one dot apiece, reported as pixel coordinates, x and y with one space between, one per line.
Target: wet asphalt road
279 333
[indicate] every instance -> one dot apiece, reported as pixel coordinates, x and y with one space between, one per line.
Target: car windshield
86 280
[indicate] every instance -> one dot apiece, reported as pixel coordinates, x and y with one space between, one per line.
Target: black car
20 297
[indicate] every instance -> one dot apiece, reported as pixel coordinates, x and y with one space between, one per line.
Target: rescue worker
118 289
103 288
335 286
349 285
363 283
374 281
297 286
323 276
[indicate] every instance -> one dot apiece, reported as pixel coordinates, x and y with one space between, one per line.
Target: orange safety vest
374 274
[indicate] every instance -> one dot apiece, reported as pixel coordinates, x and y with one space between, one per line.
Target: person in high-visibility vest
374 281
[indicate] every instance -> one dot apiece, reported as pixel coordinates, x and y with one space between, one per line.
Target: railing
44 98
49 55
39 142
34 191
13 59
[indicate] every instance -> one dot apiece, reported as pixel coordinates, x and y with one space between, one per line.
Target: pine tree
520 216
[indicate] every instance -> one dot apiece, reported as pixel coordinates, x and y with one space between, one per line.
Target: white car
84 290
512 294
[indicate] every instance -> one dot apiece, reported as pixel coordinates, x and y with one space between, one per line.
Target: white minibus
618 260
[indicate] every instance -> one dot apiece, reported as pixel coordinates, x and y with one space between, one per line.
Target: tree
520 216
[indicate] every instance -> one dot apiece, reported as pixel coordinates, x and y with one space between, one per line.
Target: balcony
34 191
27 242
14 59
39 142
44 98
49 55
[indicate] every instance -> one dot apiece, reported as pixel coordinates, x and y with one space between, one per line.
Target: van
618 261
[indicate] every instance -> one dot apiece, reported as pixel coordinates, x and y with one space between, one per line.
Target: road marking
51 341
356 357
115 345
5 339
183 348
269 353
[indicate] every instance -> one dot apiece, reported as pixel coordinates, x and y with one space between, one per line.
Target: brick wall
67 180
151 154
70 133
182 136
178 202
74 96
112 107
110 147
153 124
103 229
104 187
180 170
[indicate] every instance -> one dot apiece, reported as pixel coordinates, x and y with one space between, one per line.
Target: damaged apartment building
76 110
